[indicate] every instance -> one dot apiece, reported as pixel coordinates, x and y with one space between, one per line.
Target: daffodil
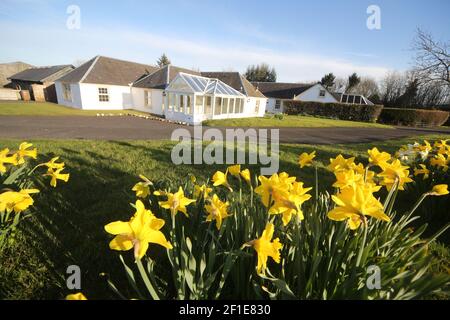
354 203
440 161
378 158
24 152
56 175
393 171
142 188
423 170
142 229
76 296
265 248
290 204
201 191
52 164
235 170
340 163
217 210
439 190
305 159
245 174
6 158
220 179
16 201
273 188
176 202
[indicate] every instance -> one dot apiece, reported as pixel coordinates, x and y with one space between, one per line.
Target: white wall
270 107
75 102
313 94
138 95
119 97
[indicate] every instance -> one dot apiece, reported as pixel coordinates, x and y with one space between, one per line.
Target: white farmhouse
278 92
102 83
175 93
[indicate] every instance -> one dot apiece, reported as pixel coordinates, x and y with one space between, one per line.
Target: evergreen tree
261 73
163 61
328 80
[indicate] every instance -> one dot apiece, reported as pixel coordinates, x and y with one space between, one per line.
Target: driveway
133 128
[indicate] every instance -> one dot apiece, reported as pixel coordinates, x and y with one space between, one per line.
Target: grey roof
39 74
236 81
281 90
161 77
105 70
204 85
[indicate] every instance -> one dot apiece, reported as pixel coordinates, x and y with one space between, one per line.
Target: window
231 106
257 106
188 104
357 99
171 101
224 105
350 99
218 106
277 104
147 98
103 95
344 98
67 93
208 105
322 93
241 106
182 103
199 104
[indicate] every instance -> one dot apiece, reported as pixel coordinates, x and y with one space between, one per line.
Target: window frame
103 96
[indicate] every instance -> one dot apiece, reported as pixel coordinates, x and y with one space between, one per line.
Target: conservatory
193 99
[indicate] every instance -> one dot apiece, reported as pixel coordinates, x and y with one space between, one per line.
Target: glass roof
204 85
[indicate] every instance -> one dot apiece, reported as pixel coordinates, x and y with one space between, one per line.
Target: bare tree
367 87
432 61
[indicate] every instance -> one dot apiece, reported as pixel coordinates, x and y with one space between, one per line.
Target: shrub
341 111
413 117
273 237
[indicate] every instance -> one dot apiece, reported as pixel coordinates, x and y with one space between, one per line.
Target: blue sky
301 39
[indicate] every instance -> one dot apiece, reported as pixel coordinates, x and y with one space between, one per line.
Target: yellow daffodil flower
423 170
217 210
17 201
305 159
176 202
142 188
5 158
273 188
291 204
142 229
235 170
245 174
266 248
220 179
354 203
57 175
340 163
439 190
440 161
392 171
52 164
378 158
24 151
76 296
201 191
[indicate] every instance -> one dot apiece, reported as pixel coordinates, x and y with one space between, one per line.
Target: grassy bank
68 229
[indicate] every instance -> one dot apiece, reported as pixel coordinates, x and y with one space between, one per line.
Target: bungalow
40 82
175 93
278 92
101 83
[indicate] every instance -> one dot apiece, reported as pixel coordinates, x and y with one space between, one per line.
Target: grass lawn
290 121
31 108
68 229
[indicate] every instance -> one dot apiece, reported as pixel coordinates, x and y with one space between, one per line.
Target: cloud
62 45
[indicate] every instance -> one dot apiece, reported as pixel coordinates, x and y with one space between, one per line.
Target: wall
270 106
9 94
119 97
76 95
138 100
313 94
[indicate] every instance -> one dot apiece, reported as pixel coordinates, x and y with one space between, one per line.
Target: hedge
341 111
413 117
